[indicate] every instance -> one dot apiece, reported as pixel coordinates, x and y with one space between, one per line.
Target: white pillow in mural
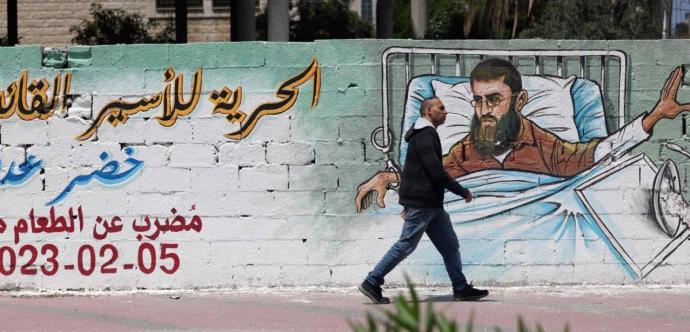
549 106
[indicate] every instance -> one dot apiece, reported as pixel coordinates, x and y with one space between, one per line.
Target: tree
485 19
329 19
402 19
598 19
446 20
116 26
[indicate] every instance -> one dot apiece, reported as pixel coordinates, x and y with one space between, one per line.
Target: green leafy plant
116 26
4 41
328 19
408 316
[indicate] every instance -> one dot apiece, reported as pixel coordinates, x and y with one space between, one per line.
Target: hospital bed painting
578 95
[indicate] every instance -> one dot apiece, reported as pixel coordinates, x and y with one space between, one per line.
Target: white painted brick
88 153
54 155
206 203
152 155
210 129
32 185
258 276
290 153
24 132
162 180
218 179
81 107
259 228
18 208
325 129
242 154
250 203
313 177
305 275
298 203
135 131
530 252
102 201
150 204
341 152
56 179
340 202
260 253
264 177
271 129
62 131
9 154
348 275
357 227
180 132
192 155
351 252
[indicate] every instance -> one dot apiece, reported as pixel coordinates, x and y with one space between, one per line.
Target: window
170 4
221 3
367 11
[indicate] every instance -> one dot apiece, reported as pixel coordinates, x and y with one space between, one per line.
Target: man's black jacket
423 178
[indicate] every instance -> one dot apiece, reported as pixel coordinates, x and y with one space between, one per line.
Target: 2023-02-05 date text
23 259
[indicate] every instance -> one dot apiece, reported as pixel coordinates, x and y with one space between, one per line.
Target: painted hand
667 107
377 184
469 198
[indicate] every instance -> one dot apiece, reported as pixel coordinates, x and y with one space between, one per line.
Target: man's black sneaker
373 293
469 293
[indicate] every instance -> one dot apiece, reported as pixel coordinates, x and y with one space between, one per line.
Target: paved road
583 308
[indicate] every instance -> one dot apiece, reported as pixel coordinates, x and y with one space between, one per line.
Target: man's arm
667 107
378 184
636 132
434 167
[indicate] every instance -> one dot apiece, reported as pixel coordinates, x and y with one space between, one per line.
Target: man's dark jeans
436 223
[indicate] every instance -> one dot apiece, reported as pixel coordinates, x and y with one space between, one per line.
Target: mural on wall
105 240
22 260
108 175
542 163
30 100
17 175
226 102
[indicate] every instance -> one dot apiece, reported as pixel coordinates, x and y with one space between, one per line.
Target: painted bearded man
501 138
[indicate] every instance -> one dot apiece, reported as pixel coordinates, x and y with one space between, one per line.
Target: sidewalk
329 309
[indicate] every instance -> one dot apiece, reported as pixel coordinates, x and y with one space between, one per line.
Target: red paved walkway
585 309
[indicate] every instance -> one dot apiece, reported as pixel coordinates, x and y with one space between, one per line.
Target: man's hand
667 107
376 184
469 197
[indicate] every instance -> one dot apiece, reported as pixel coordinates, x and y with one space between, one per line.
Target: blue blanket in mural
553 219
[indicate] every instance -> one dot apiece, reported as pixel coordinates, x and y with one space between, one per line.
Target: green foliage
116 26
328 19
407 316
598 19
402 20
4 41
484 19
447 20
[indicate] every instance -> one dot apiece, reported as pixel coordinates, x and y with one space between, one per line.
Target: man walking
422 186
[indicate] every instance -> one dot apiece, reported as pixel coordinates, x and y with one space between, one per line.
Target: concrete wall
165 180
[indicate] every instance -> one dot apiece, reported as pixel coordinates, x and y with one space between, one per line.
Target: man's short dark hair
494 68
426 103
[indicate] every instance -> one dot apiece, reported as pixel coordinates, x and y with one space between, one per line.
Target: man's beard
498 138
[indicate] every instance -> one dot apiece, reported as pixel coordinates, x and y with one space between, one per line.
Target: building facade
48 22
